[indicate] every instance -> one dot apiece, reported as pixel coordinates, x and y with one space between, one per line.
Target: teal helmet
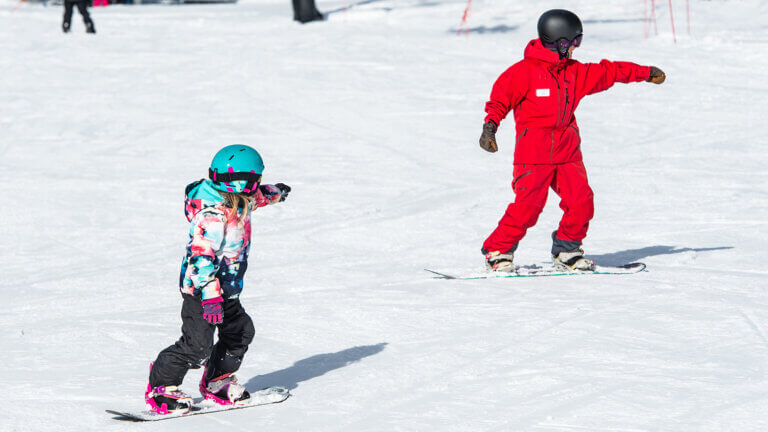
236 168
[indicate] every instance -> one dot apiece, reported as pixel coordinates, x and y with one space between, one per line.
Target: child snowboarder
212 271
544 90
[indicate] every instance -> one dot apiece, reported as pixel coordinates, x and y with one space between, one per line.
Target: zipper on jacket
565 109
552 149
576 130
557 83
521 136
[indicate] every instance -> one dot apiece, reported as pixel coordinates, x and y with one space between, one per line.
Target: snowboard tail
265 396
535 271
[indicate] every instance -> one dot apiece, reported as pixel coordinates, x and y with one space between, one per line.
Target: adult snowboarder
219 210
544 90
82 7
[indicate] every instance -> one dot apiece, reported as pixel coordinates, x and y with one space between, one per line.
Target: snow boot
500 262
89 27
573 261
65 27
167 400
224 390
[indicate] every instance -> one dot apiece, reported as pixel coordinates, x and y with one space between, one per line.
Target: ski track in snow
373 118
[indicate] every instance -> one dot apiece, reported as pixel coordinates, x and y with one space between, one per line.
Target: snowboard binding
224 390
167 400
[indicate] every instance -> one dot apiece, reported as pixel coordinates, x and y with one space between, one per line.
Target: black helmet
558 24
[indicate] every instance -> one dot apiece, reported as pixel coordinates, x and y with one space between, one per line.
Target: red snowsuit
544 91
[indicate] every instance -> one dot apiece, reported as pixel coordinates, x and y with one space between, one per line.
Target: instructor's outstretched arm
597 77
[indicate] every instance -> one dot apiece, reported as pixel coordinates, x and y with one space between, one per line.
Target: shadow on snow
632 255
366 2
313 367
612 21
501 28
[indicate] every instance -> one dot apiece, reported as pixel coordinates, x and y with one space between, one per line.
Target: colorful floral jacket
217 251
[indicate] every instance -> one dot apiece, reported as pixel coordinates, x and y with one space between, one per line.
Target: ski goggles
562 45
252 180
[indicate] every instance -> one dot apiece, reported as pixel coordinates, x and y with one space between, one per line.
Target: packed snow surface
373 118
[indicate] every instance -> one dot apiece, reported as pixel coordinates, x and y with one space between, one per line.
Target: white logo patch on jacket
542 92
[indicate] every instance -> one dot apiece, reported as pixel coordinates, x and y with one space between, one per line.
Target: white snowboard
261 397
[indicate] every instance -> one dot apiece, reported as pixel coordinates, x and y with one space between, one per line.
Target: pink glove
212 311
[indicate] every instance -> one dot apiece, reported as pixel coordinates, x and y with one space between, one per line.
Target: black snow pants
82 7
195 348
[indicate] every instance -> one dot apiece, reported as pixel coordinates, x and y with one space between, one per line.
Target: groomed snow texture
373 118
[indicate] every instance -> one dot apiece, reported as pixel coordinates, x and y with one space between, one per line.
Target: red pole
653 15
672 19
469 12
688 15
464 18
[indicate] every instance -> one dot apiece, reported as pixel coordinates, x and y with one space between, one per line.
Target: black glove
284 190
657 75
488 138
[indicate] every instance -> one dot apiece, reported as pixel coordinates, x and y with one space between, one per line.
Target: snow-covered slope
373 118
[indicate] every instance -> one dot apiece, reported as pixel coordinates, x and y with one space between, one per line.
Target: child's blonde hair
237 201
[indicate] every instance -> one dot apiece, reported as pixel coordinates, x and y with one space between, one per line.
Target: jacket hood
200 195
536 50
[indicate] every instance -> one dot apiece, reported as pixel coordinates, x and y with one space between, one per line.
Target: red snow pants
531 184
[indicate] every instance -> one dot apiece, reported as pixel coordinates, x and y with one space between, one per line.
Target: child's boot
167 400
224 390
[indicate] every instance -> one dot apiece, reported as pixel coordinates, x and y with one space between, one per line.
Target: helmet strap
562 48
555 47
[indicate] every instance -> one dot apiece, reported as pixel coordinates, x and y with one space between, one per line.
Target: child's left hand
212 310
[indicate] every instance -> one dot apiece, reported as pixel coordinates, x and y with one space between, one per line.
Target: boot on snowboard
167 400
224 390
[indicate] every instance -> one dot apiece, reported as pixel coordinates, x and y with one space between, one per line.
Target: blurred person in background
305 11
82 7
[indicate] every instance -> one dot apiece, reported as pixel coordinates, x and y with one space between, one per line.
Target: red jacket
544 91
